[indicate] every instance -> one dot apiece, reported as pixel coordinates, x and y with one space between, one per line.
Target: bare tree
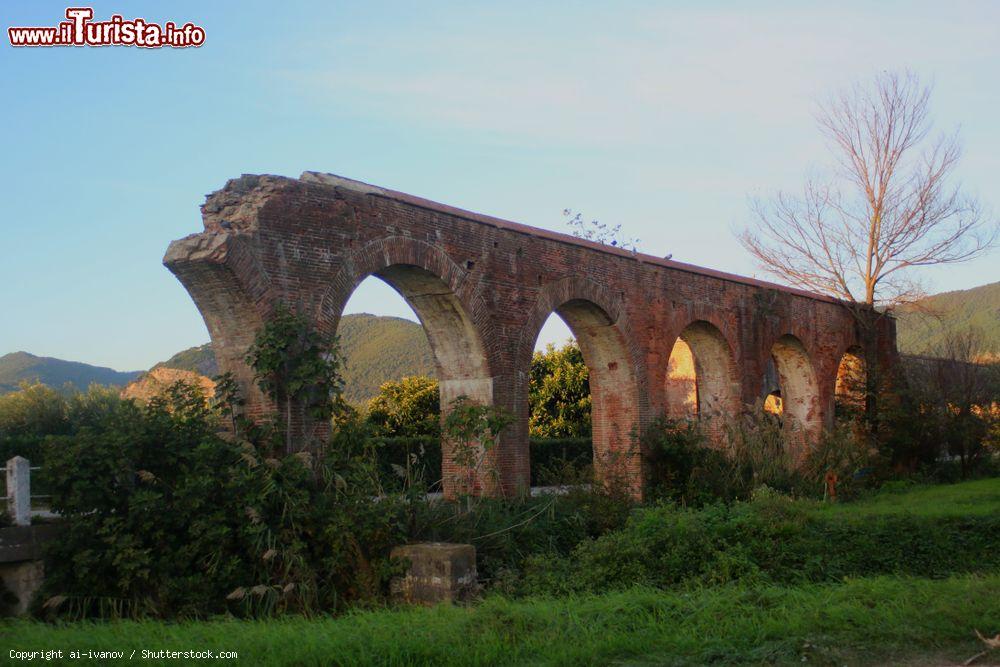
888 207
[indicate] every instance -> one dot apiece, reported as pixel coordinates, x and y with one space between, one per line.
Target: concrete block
438 572
22 579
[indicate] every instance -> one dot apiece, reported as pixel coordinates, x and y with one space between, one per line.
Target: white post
19 490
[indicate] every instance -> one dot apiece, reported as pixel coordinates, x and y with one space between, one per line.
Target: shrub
559 461
165 518
507 532
405 462
150 510
758 454
298 368
684 466
27 417
681 465
846 452
770 538
409 407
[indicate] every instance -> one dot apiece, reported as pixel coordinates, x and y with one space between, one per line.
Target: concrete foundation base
22 579
21 568
438 572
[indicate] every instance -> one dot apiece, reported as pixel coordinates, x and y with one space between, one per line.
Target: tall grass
865 621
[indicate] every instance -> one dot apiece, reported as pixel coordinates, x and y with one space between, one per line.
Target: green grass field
977 498
868 621
862 621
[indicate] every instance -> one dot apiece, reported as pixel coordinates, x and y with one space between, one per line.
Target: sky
662 117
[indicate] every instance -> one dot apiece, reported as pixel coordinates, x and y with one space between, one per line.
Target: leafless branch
889 207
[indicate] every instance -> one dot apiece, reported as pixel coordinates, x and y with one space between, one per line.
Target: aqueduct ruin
658 336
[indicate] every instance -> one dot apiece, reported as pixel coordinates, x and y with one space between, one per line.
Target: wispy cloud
637 77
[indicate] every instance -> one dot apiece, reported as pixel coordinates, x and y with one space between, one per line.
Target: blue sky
663 117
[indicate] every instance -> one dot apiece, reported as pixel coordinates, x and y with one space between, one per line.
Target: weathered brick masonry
483 288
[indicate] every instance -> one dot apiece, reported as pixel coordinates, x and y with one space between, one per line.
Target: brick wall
483 288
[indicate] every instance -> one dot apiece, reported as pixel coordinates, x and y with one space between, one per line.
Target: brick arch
763 348
452 315
600 326
701 379
384 258
798 330
233 294
800 391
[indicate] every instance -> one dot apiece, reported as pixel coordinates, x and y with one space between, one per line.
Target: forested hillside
375 349
18 367
923 326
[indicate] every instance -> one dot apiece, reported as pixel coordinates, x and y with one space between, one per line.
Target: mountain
375 349
200 360
922 326
20 367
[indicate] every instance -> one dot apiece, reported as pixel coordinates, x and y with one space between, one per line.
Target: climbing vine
298 368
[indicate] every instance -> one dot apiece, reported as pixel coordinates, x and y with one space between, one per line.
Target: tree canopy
559 393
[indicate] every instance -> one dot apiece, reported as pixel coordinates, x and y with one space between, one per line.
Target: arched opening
449 348
559 408
799 392
682 382
701 378
772 390
850 388
613 389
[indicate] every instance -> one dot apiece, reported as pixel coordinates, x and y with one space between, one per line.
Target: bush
681 465
758 455
558 461
404 462
507 532
409 407
27 417
165 518
844 451
771 538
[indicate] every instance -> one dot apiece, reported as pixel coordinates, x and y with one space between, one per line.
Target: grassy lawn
865 621
977 498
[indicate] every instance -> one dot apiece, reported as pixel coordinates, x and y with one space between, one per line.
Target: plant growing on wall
472 430
298 368
599 232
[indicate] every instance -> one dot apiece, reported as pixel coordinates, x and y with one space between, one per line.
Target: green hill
924 325
20 367
199 360
375 348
